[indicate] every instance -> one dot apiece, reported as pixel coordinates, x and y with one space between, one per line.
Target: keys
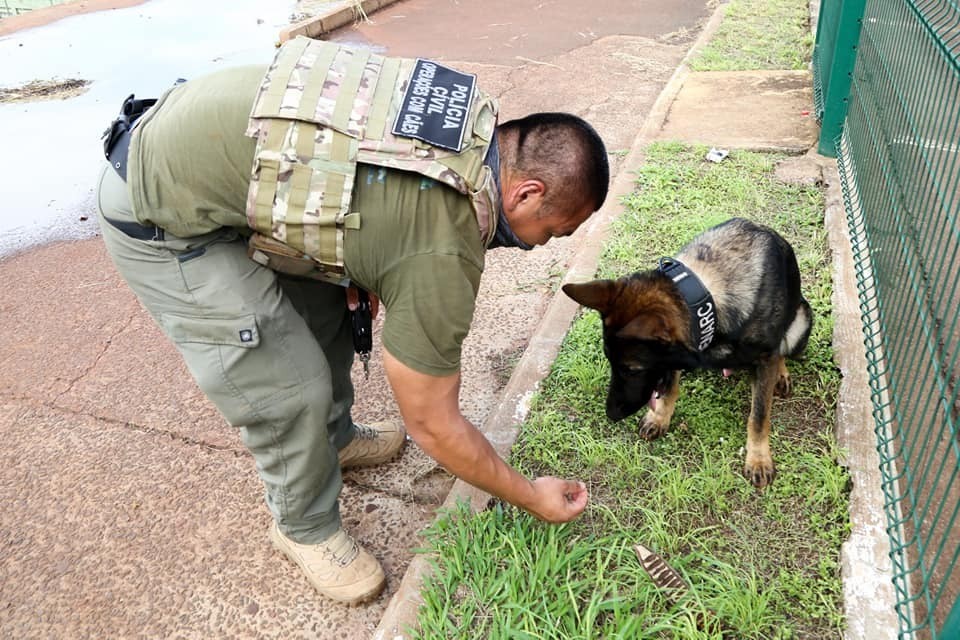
365 359
362 321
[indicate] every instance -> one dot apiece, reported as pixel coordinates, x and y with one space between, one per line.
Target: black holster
116 139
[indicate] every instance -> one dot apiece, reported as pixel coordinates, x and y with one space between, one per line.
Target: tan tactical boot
337 567
373 444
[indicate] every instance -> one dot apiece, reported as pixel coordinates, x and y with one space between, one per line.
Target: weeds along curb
502 426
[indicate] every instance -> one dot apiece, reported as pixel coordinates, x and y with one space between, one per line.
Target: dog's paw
653 426
759 470
784 386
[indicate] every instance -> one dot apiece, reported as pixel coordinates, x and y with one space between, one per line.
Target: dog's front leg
656 422
759 468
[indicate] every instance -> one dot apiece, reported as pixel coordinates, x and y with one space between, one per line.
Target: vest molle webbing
321 109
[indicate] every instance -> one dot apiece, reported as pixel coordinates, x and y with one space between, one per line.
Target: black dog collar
703 315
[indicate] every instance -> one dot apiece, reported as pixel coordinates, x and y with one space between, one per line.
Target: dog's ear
596 294
647 326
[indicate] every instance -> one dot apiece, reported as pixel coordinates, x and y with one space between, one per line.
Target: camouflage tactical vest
321 109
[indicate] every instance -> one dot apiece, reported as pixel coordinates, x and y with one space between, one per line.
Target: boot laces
366 433
343 550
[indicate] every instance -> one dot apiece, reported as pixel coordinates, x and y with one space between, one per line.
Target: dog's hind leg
784 384
759 468
656 422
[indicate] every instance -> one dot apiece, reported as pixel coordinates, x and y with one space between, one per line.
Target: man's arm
430 407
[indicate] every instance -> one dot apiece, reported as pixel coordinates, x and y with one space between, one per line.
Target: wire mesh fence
16 7
899 160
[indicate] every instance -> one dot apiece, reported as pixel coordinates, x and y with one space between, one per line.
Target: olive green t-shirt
419 249
418 246
190 161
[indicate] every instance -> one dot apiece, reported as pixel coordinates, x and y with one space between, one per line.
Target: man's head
553 174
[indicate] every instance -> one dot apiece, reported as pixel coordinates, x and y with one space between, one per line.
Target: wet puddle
62 84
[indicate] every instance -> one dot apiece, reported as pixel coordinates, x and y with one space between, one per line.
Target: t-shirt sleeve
429 302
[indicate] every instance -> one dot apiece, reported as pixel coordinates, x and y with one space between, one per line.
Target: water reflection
51 149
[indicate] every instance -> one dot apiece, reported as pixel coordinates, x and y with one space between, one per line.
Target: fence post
837 83
951 628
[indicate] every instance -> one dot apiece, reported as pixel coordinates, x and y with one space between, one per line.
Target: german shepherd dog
730 299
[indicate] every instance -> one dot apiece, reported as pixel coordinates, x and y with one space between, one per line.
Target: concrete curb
869 599
338 16
868 595
502 426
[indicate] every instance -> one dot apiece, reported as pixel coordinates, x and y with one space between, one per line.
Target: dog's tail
798 333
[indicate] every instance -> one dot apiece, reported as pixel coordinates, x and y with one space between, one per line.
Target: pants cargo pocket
221 353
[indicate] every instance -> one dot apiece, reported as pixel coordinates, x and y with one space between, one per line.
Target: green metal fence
16 7
834 54
899 160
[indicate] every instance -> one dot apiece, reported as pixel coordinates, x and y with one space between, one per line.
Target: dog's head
644 333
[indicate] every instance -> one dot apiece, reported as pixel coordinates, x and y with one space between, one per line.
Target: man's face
535 226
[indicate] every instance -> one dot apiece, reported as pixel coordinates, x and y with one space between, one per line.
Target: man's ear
531 187
596 294
523 192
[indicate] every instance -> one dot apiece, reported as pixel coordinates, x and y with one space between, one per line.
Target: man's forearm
464 451
431 410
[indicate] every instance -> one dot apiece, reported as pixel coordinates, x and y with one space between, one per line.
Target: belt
138 231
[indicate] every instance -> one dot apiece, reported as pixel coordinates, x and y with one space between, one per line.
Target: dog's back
753 276
742 310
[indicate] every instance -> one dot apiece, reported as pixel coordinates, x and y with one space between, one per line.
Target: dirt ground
36 90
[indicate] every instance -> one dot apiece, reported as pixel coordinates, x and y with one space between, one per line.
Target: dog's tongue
727 372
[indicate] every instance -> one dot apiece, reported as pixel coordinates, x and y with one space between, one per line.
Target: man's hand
353 301
558 500
430 406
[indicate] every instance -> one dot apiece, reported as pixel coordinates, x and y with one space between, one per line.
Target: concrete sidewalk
133 510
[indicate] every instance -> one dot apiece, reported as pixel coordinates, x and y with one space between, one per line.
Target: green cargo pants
272 353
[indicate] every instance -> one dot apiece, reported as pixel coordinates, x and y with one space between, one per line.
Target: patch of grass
765 563
759 34
526 579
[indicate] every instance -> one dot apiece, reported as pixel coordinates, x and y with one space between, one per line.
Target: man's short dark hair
565 152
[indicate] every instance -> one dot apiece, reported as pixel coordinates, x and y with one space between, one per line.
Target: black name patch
436 105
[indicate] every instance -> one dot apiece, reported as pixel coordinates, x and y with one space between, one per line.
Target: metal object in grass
674 588
717 155
662 574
